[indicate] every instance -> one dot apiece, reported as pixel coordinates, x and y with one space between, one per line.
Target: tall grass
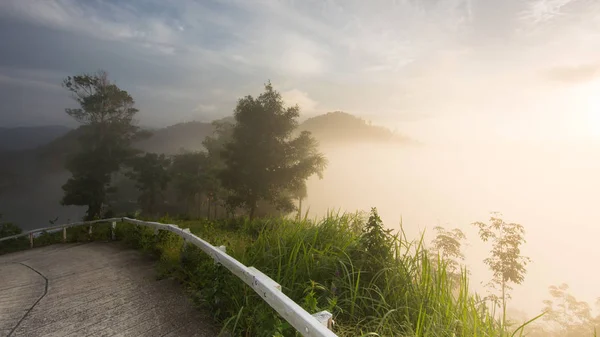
374 282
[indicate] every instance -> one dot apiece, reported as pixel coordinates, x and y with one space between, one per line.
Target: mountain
25 138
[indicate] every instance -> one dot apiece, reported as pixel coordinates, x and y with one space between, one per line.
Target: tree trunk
503 305
208 208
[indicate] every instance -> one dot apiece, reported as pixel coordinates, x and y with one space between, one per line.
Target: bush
8 229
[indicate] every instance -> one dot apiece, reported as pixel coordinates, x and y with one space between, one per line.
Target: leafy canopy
108 129
263 162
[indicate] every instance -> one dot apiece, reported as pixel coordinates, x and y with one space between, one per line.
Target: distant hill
175 138
334 127
331 128
341 127
26 138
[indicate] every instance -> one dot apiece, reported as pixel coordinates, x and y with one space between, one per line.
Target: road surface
92 289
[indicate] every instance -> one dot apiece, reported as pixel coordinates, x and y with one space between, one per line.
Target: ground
92 289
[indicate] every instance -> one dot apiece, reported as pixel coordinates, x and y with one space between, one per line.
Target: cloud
540 11
102 20
32 78
300 98
12 81
207 108
394 59
574 74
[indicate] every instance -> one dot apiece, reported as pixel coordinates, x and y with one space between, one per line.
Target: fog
549 188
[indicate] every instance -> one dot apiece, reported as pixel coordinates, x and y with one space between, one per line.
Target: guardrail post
185 241
64 234
113 227
90 232
30 240
221 248
187 230
325 318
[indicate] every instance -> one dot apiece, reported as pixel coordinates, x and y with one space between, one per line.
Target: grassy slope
374 283
323 266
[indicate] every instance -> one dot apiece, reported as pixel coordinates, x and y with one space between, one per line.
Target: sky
451 68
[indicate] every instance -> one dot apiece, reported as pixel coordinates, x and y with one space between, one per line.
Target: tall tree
264 162
108 129
505 260
151 175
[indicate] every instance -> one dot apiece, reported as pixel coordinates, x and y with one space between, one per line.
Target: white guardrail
317 325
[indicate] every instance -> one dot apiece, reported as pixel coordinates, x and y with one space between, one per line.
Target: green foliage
189 174
505 260
106 113
263 161
375 245
10 229
151 175
321 266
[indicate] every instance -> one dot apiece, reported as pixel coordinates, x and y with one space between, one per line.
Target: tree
300 194
189 174
215 145
505 261
568 316
151 175
263 161
447 244
106 113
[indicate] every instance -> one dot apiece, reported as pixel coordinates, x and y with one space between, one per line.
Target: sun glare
587 101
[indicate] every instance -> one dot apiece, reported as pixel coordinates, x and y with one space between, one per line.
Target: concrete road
92 289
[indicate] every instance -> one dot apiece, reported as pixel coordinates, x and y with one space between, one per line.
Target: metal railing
316 325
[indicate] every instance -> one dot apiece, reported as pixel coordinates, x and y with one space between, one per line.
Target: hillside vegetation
374 282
